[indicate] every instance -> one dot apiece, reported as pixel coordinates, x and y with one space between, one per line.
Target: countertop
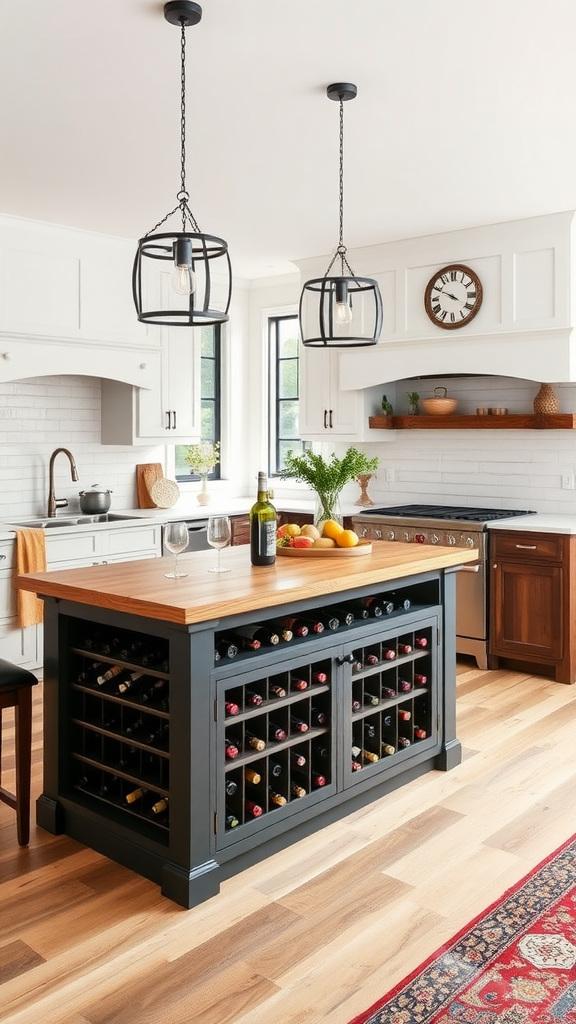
141 588
542 522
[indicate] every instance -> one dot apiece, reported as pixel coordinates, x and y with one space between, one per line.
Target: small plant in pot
413 399
327 477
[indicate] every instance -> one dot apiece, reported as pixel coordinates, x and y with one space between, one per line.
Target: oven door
471 601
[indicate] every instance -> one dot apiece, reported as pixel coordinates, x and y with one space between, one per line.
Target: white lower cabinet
65 550
164 414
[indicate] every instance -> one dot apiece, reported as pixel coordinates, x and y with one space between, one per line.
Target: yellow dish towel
30 557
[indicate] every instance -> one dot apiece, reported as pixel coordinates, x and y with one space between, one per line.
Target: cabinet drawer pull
527 547
168 419
325 419
330 419
174 415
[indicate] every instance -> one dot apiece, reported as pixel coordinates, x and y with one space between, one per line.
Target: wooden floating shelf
555 421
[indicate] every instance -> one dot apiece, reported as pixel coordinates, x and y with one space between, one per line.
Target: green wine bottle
263 526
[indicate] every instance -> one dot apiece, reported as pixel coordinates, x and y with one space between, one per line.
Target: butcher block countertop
140 588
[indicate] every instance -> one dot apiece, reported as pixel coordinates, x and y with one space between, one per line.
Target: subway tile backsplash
40 414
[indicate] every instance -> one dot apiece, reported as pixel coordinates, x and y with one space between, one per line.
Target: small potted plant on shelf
327 477
202 458
413 399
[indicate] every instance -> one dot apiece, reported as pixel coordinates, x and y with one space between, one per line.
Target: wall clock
453 296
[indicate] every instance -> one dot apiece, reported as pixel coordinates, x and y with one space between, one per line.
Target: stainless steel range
448 526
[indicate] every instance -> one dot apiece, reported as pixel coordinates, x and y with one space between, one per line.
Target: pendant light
341 311
200 272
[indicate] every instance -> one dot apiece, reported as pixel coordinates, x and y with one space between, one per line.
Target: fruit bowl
364 547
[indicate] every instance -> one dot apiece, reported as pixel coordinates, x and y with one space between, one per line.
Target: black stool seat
16 692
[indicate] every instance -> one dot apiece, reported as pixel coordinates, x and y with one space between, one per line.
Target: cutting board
147 473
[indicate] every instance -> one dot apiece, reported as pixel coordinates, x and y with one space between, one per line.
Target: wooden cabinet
190 765
240 530
532 600
166 413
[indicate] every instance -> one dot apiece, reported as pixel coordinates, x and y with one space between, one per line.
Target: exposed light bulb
343 314
183 278
342 309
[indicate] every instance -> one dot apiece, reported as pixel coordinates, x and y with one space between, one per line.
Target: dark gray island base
186 765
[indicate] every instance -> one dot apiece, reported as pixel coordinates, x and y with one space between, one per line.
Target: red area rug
513 964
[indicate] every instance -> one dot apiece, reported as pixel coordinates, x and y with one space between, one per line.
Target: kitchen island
169 753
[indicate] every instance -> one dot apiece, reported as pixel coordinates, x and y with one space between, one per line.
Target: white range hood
526 326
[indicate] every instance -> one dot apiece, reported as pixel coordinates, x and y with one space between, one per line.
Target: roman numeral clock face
453 296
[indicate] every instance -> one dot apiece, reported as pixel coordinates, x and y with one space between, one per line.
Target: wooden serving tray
363 547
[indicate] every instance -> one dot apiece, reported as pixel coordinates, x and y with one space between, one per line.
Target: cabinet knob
346 659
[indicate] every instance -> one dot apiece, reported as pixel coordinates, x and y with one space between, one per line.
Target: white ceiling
465 115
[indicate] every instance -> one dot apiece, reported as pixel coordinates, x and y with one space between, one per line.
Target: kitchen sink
61 521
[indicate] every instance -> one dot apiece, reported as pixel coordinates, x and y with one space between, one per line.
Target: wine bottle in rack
387 721
231 819
276 732
109 787
373 605
369 730
369 755
324 619
297 791
317 779
388 693
283 632
153 656
360 611
92 641
252 776
318 716
357 666
404 648
154 693
356 763
297 759
356 705
420 641
298 724
276 798
262 634
88 675
419 679
313 624
400 601
256 742
111 720
225 649
253 809
231 749
253 698
129 648
275 769
276 690
319 677
231 708
135 795
388 653
386 749
419 733
403 741
157 736
371 698
231 787
159 806
129 758
127 682
404 686
404 715
110 644
296 626
263 526
371 659
297 683
132 728
87 780
344 615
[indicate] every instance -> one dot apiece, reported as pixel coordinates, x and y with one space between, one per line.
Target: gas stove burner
449 513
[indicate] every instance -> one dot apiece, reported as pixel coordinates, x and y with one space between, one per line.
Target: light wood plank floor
317 932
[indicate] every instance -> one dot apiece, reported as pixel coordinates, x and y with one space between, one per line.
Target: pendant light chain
183 195
341 248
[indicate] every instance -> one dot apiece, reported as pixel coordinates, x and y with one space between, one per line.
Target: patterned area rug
514 964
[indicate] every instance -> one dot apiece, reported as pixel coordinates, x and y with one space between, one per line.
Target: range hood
525 328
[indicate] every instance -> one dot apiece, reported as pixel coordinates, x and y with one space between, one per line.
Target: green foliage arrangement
327 477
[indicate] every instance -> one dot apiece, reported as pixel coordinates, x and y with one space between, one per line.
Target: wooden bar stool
16 692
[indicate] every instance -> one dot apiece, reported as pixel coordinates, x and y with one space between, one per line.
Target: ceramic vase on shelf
364 479
546 401
326 506
203 495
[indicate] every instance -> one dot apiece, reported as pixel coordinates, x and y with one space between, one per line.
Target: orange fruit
331 529
347 539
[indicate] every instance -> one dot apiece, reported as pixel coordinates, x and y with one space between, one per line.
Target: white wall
40 414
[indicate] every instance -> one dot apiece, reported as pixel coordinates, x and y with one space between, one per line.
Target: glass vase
326 506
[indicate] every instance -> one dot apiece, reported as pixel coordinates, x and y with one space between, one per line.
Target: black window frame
216 402
274 401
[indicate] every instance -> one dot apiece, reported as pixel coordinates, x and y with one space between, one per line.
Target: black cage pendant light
341 311
201 278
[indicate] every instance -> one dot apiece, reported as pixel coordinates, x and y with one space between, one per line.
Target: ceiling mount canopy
197 292
340 311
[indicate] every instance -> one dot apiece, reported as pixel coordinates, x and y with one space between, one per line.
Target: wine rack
186 767
120 724
277 744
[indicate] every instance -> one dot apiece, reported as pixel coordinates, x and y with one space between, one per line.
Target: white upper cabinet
327 411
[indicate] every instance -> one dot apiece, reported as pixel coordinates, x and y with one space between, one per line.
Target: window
284 346
210 343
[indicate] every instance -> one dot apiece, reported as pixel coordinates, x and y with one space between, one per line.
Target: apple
302 542
308 530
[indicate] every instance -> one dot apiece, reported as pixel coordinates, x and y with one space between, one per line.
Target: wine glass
218 536
176 540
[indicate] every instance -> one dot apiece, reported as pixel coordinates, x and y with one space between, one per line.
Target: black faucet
53 502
